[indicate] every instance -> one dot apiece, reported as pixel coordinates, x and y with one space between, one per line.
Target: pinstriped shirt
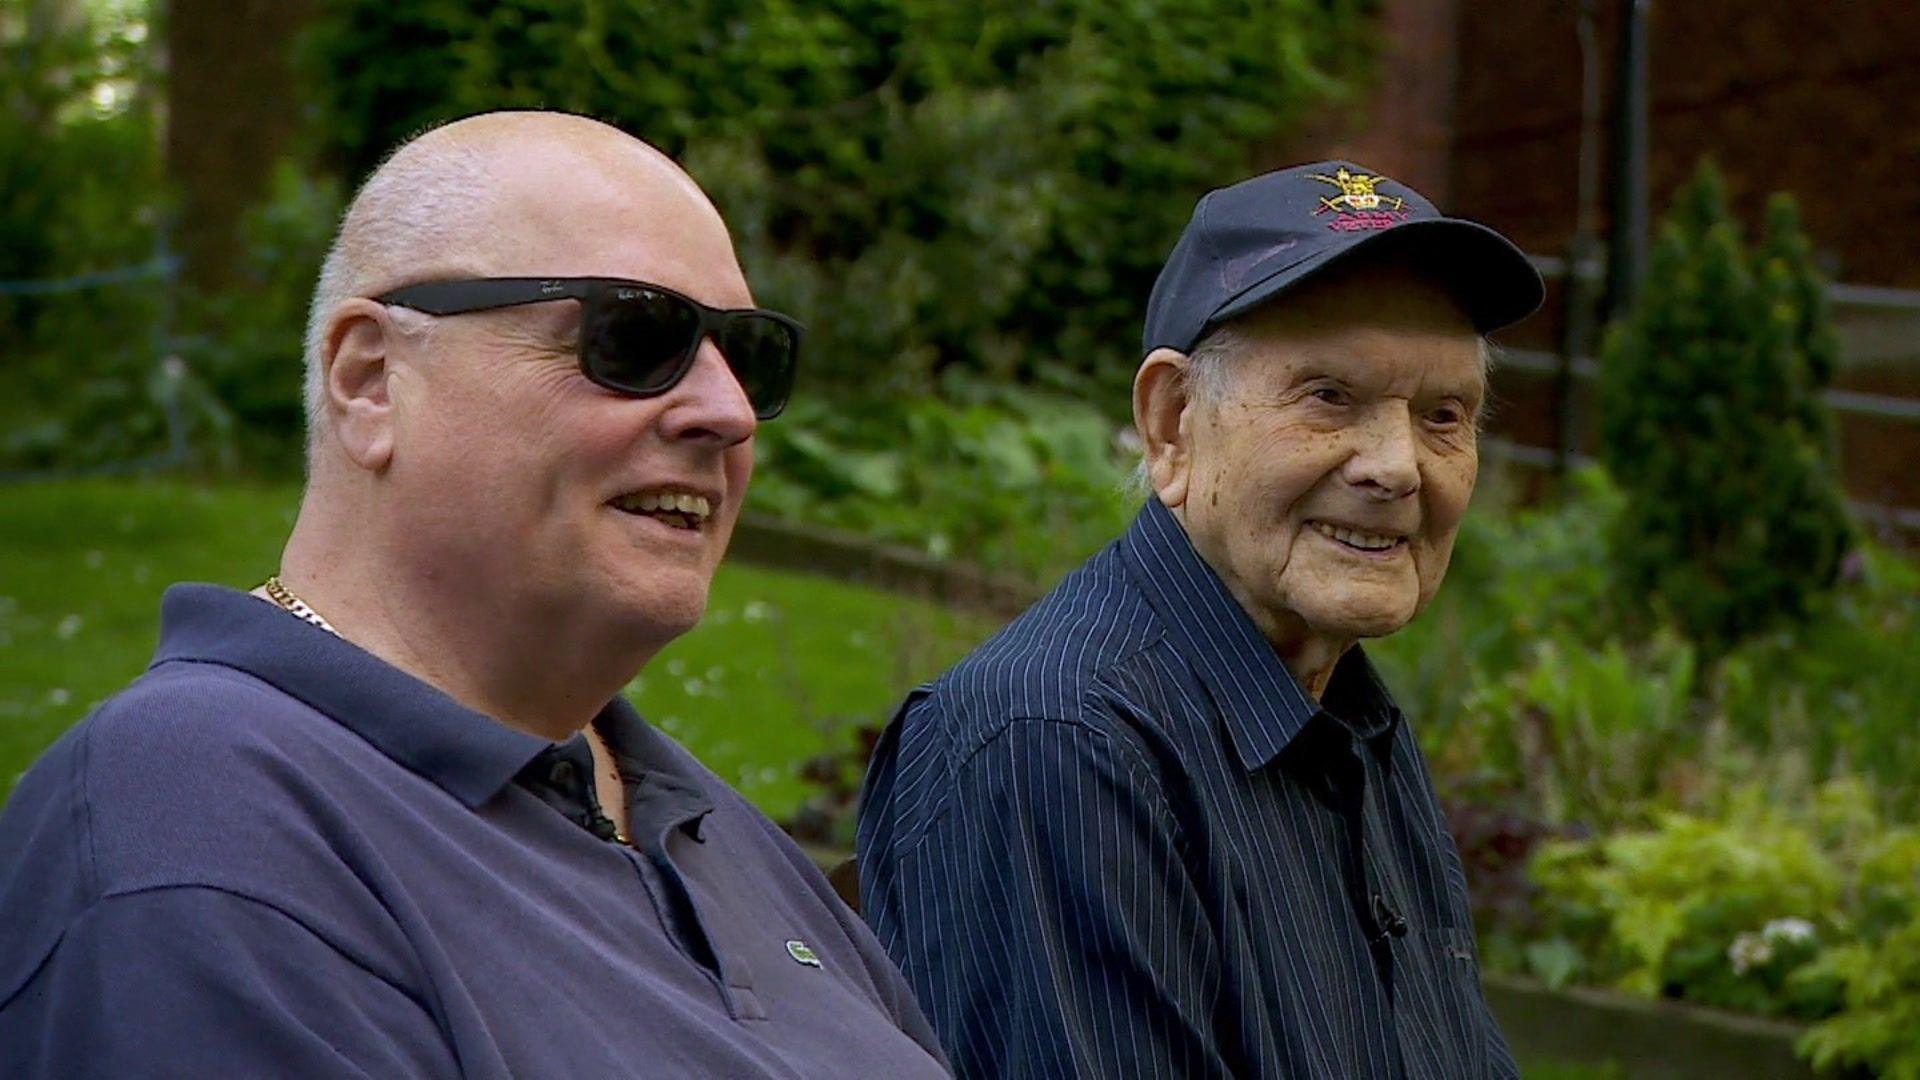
1120 840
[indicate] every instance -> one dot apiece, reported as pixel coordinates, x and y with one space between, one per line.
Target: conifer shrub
1714 427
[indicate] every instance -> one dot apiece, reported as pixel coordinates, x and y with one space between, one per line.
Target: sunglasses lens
761 351
640 340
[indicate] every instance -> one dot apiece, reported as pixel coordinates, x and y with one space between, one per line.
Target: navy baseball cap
1251 242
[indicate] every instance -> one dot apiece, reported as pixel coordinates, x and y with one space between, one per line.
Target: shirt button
561 774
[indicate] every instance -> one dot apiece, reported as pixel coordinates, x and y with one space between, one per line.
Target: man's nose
1386 460
709 401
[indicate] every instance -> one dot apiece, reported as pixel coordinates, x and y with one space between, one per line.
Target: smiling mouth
676 509
1358 539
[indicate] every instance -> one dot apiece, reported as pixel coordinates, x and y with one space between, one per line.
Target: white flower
1788 929
1749 951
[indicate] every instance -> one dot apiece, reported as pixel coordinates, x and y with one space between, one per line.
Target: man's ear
355 367
1162 414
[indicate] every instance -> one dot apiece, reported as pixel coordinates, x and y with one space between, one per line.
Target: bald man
388 815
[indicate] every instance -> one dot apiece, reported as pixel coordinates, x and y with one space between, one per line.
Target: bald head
504 194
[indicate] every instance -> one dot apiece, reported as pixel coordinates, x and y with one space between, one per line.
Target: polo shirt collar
1264 707
470 754
669 792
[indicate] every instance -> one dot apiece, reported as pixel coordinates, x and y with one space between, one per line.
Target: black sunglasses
638 338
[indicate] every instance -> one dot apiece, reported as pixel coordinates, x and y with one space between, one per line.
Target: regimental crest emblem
1360 204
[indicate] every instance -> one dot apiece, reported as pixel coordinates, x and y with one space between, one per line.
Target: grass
781 664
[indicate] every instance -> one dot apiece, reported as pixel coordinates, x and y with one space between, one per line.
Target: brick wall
1819 99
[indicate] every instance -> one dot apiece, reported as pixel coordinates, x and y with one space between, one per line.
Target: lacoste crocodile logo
801 953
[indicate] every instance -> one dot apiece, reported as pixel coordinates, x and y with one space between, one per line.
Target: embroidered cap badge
1360 204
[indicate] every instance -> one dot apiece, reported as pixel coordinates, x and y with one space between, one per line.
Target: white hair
1204 378
408 219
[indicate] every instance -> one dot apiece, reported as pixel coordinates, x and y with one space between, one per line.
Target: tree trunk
233 106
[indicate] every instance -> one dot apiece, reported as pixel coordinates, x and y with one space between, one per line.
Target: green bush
1879 976
1527 693
1722 909
1022 483
1843 690
79 173
249 353
1713 425
1804 909
988 186
1590 735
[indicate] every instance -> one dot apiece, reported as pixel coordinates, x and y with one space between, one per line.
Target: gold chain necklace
278 592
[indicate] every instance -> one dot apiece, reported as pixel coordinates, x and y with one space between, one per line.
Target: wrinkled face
567 503
1327 484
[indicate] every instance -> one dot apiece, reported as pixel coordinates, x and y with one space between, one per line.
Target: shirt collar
670 792
466 752
1263 705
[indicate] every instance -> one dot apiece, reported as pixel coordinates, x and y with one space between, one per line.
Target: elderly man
1169 823
389 816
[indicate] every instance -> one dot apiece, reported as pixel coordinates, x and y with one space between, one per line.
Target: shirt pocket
1444 984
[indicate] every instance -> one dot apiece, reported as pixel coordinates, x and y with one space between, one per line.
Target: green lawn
778 668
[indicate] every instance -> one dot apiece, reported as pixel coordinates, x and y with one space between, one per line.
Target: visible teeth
1356 538
694 506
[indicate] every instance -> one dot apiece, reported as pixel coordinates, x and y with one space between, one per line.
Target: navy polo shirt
1120 840
275 854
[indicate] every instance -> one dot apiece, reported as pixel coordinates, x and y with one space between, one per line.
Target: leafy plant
1760 905
1658 912
1878 972
1023 483
1590 733
1842 690
1880 1025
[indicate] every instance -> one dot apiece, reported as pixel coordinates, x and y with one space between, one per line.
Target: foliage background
985 186
81 193
967 204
